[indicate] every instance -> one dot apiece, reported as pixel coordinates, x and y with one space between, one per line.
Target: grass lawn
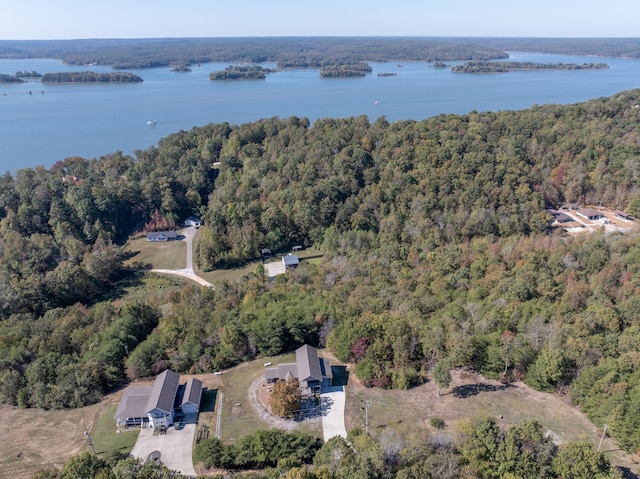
169 255
105 438
239 416
34 439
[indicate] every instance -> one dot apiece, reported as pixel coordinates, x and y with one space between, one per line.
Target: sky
71 19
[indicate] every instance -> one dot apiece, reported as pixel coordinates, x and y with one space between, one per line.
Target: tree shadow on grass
627 473
468 390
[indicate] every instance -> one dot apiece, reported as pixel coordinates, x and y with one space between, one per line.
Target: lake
43 123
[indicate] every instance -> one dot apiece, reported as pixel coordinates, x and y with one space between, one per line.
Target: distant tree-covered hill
503 67
291 51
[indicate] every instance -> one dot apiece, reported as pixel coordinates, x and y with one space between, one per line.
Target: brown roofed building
590 214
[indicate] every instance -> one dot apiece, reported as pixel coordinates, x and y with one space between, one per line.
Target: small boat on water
152 122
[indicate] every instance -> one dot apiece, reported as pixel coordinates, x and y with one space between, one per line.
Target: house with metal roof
312 372
161 236
290 261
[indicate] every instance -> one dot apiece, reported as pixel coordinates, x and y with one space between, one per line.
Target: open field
469 397
34 439
169 255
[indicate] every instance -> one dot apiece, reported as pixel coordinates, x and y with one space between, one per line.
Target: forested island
503 67
239 72
4 78
345 70
90 77
19 76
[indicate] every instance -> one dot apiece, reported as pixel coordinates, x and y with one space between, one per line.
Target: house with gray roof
190 403
312 372
158 405
161 236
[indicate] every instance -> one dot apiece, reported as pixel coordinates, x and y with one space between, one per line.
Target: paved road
333 401
175 447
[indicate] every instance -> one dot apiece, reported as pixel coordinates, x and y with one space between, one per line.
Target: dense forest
307 52
345 70
503 67
90 77
435 241
238 72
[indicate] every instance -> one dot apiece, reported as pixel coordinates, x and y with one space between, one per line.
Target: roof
164 391
308 363
193 219
325 366
588 212
621 213
160 234
192 392
134 402
290 260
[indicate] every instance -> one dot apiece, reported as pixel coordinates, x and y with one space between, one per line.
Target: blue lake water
42 123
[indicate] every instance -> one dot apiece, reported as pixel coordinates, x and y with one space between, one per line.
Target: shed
290 261
622 215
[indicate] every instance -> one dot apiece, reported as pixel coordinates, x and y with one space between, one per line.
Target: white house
193 221
161 236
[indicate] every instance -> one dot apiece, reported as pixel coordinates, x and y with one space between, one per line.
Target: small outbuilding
290 261
193 221
622 215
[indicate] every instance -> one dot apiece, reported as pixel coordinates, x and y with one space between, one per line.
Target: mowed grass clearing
34 439
161 255
106 440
